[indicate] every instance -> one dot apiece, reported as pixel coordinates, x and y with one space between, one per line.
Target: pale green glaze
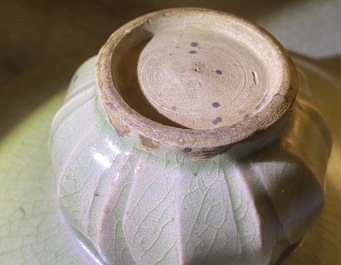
143 206
30 224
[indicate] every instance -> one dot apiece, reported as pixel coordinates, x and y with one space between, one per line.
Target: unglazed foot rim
198 78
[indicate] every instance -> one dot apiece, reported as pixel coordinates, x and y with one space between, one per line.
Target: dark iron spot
246 116
216 104
195 174
75 78
187 149
218 72
194 44
217 120
192 52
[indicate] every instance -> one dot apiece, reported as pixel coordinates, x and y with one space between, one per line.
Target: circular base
194 78
201 79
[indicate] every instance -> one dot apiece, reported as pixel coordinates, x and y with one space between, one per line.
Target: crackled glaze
141 207
138 203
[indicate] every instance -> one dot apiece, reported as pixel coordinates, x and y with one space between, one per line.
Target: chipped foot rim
140 181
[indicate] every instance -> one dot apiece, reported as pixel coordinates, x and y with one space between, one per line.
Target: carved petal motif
140 206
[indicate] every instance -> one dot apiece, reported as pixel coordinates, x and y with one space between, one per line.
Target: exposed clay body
208 78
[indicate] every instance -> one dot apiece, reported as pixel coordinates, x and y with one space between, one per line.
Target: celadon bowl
168 186
32 228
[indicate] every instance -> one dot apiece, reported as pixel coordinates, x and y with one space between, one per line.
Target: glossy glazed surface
24 241
142 205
